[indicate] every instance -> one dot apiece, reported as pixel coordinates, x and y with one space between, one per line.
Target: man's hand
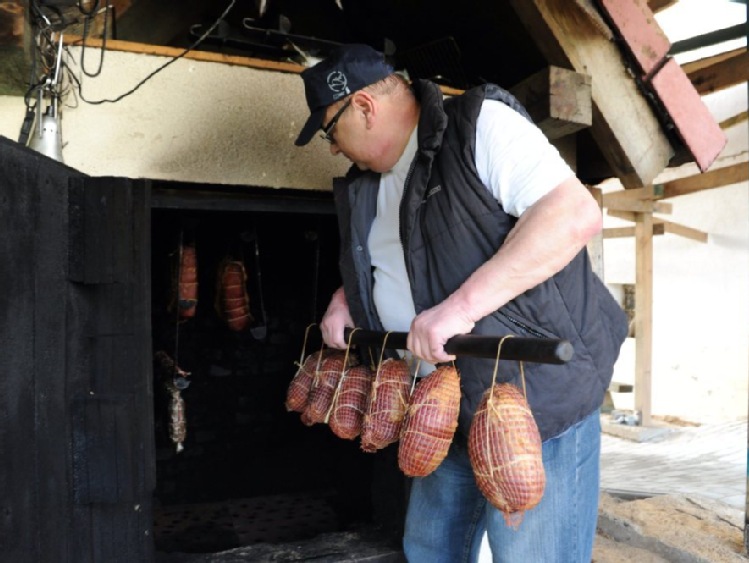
431 329
336 318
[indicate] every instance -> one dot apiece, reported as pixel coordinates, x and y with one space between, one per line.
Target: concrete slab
634 433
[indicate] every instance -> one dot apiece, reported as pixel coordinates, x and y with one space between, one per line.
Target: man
457 216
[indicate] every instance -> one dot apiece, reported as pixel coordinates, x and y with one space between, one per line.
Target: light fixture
46 136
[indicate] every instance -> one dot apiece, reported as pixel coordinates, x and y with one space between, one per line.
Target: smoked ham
297 393
350 402
387 405
324 386
234 302
504 447
430 422
188 281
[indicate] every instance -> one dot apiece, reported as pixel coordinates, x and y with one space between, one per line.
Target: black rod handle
521 349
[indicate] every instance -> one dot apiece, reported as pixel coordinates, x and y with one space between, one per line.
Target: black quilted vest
450 224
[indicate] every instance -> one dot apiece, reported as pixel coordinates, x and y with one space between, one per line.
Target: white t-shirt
514 160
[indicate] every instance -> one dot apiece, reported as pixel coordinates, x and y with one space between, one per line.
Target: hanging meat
430 422
298 392
324 386
175 381
504 446
388 401
350 401
187 281
233 301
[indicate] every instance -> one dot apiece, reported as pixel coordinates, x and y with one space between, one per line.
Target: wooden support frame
643 393
660 227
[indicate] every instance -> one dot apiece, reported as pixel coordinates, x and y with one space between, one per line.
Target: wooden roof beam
713 74
648 48
558 100
658 5
624 126
706 181
633 200
734 120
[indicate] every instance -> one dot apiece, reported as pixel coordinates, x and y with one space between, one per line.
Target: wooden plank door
77 469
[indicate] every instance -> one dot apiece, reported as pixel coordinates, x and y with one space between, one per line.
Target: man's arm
544 240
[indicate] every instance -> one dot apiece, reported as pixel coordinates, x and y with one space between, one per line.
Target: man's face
350 130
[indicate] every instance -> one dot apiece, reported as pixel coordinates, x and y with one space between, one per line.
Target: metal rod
538 350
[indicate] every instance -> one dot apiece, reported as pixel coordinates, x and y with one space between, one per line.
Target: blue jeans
447 514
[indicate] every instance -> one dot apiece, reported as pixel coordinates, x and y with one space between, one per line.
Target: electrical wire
157 70
86 28
49 23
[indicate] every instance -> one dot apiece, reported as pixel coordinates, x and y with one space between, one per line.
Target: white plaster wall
12 111
214 123
194 121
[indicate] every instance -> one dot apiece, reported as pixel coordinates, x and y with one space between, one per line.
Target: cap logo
338 84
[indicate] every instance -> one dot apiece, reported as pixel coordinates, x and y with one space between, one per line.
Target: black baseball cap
347 69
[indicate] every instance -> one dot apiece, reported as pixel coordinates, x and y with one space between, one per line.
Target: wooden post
643 316
595 245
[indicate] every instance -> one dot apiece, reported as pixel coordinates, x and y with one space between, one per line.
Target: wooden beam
618 232
558 100
595 244
692 120
720 72
639 206
698 64
658 5
660 227
645 43
644 317
639 34
207 56
734 120
711 179
204 56
624 127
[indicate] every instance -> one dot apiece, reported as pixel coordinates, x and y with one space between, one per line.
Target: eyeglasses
327 130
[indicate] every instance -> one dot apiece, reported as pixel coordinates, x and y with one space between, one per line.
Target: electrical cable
157 70
86 27
49 20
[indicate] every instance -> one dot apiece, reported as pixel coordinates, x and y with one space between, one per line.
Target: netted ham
187 290
324 385
298 392
388 401
505 451
348 407
234 301
430 422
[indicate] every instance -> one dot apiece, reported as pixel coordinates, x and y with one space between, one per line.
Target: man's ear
367 105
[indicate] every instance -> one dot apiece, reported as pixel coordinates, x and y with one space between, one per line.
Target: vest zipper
523 326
